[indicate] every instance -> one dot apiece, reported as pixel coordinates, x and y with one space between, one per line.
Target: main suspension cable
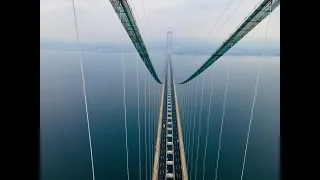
134 9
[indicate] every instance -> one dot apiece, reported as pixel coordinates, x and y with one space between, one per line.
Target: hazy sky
188 19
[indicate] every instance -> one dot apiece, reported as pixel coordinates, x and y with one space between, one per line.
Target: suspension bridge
172 159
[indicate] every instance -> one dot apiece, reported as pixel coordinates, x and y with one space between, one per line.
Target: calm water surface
64 142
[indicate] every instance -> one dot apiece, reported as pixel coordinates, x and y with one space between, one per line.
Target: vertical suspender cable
152 127
125 106
139 116
224 23
149 127
253 102
182 108
194 124
183 112
223 115
84 88
186 118
154 119
208 118
218 20
125 111
145 15
199 131
189 124
145 121
151 130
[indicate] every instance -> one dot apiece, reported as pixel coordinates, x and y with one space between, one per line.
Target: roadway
162 154
169 156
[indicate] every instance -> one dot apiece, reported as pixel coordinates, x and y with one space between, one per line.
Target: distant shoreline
190 54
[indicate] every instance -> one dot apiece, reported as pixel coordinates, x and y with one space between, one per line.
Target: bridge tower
169 43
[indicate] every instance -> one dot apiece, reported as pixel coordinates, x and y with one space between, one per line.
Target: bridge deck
169 158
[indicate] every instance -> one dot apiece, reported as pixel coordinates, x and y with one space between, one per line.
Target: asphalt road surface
163 168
